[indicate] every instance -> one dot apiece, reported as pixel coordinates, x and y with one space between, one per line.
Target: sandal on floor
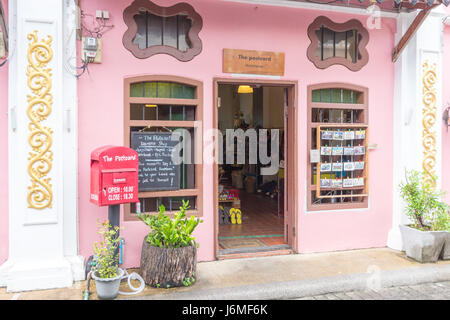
221 215
233 215
238 216
226 215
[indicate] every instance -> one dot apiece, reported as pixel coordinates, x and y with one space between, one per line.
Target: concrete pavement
302 275
423 291
282 277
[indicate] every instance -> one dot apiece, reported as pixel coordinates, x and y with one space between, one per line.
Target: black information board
157 171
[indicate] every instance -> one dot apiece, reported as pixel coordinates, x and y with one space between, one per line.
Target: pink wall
4 241
241 26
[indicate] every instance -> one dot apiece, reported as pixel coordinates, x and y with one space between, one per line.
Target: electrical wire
84 67
99 29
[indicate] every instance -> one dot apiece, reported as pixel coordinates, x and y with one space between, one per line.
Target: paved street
426 291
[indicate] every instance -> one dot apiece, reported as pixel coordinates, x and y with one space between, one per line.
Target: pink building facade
88 112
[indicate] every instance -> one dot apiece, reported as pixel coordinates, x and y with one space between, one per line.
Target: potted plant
169 251
428 238
106 271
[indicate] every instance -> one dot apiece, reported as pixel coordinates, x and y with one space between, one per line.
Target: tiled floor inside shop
261 227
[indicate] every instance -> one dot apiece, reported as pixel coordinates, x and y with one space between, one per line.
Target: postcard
349 135
359 165
337 166
359 150
325 167
337 151
327 135
325 183
347 183
348 151
349 166
338 135
325 151
336 183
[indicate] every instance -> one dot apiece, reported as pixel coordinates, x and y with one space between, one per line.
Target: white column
410 70
43 245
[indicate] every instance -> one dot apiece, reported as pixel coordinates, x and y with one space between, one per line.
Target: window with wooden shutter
168 30
163 104
338 132
333 43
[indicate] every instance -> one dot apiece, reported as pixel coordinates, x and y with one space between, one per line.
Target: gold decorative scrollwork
40 53
428 120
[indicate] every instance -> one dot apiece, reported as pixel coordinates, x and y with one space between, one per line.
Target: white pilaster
43 244
425 46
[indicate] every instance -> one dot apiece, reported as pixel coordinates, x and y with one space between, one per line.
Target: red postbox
114 175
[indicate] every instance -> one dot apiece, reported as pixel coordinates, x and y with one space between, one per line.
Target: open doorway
253 199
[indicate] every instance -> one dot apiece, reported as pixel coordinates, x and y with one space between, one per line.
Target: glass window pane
348 116
170 31
182 91
176 113
174 203
177 90
355 97
316 96
141 33
154 30
136 112
163 89
318 52
320 115
347 96
335 115
325 95
340 44
142 112
336 95
136 89
184 24
189 113
188 92
351 43
328 43
150 89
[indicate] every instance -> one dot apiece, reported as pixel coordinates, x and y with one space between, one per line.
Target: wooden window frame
352 24
198 103
361 105
180 8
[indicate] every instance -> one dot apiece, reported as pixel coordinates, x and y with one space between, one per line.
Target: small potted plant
169 251
106 271
427 238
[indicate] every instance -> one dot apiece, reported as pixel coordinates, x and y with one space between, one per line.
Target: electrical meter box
114 175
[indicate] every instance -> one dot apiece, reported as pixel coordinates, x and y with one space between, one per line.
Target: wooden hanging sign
253 62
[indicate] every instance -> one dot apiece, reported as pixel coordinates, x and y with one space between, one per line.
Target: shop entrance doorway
255 189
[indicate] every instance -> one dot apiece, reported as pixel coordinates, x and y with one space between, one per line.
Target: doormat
240 243
254 236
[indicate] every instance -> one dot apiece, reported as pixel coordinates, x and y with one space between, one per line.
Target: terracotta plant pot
167 267
425 246
108 288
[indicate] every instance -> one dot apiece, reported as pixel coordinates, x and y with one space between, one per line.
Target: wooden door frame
292 87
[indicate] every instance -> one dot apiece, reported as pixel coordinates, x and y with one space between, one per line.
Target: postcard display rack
344 161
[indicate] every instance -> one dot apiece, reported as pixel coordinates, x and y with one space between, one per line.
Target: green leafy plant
188 281
106 259
423 205
170 233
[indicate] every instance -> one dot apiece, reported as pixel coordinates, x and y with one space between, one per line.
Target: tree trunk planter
425 246
167 267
